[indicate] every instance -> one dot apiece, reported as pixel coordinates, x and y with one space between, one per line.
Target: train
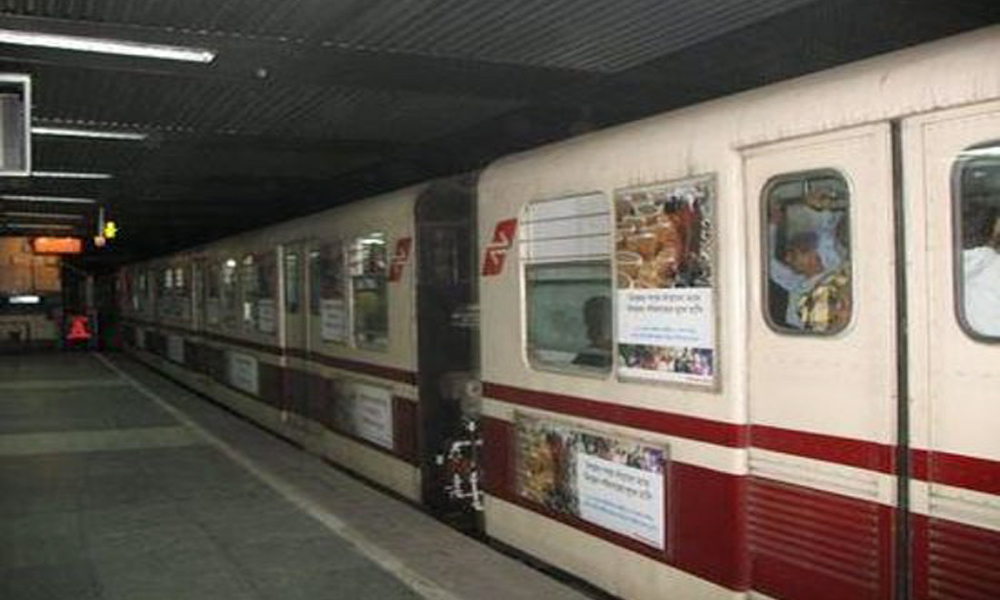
748 348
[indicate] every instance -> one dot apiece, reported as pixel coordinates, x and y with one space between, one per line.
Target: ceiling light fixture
35 215
57 199
89 133
70 175
106 46
59 226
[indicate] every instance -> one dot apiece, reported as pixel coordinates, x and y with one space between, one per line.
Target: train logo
399 258
496 252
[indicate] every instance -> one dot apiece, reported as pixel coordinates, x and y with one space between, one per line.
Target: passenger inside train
808 257
981 261
597 318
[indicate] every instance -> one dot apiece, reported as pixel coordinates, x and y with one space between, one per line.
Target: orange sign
78 330
57 245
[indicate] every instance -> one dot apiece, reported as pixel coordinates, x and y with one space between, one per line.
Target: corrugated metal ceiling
314 102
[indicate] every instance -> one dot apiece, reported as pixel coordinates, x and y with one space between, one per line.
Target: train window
292 282
807 245
977 192
327 291
212 275
230 279
259 280
369 291
565 248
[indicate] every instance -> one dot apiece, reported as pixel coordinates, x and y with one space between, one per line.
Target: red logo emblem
399 258
496 252
78 330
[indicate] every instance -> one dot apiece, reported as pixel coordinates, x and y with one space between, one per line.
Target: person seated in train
597 319
981 272
807 258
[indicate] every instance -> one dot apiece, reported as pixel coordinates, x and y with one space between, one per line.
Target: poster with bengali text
614 483
664 257
333 320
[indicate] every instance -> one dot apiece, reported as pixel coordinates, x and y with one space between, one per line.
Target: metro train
745 349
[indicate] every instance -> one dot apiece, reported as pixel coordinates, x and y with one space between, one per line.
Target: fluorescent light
59 226
32 215
89 133
58 199
105 46
27 299
70 175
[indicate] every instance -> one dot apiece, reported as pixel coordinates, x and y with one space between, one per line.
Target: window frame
351 305
958 270
524 263
314 276
765 268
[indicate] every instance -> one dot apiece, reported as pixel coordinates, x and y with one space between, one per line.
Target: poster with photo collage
664 254
618 484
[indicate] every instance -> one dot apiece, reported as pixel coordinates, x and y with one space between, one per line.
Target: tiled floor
107 492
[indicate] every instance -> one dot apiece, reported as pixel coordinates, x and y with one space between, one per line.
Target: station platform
116 483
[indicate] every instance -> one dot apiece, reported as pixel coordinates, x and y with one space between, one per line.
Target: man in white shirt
981 277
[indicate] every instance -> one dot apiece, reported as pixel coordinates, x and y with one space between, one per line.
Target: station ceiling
313 103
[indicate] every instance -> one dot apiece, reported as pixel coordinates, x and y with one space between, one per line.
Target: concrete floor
117 484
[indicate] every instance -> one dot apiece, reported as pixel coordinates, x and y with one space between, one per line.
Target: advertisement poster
267 321
614 483
333 320
175 348
666 302
212 310
243 373
365 411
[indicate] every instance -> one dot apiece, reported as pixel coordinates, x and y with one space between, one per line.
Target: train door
295 339
953 187
448 338
822 365
198 294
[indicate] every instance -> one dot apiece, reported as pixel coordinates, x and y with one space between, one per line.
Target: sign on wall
365 411
175 348
666 299
267 321
243 373
333 320
615 483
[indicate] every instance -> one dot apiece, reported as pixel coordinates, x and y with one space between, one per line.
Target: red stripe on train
967 472
845 451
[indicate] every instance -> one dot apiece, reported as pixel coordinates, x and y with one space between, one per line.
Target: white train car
306 327
744 349
696 342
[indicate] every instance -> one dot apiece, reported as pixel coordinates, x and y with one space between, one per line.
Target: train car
748 348
309 327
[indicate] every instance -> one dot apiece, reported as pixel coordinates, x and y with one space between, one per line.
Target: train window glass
230 279
259 279
369 291
807 250
292 282
212 285
328 292
977 191
565 248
